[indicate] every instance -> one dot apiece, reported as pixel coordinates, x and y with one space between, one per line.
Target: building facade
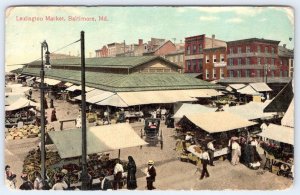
253 58
215 62
161 50
101 53
176 57
286 61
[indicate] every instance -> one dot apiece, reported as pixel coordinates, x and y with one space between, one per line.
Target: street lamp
44 46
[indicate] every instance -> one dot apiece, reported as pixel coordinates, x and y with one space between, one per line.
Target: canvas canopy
99 139
215 122
113 100
49 81
192 109
279 133
237 86
288 118
20 103
260 87
251 111
96 95
248 90
10 98
78 87
67 84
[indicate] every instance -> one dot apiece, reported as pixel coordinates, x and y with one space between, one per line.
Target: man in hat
26 185
205 160
118 174
10 178
151 174
211 150
104 183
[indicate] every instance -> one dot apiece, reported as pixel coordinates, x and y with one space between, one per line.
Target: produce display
27 131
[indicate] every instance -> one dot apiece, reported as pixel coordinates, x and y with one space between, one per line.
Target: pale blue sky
131 23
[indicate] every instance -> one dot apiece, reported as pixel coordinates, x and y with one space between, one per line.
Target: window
238 73
265 61
200 64
181 58
258 49
257 73
230 61
247 61
195 65
207 58
222 59
273 74
273 50
207 74
178 58
194 49
214 73
280 73
258 61
285 73
247 73
231 73
239 61
221 73
214 58
239 50
247 49
266 49
200 48
188 50
231 50
188 64
272 61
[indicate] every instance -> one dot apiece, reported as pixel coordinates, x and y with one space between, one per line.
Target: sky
23 38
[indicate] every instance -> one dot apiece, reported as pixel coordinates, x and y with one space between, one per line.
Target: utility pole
84 176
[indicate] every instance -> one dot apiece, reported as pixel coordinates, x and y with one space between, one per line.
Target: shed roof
186 109
260 87
288 118
279 133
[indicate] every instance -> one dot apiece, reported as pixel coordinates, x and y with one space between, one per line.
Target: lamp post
44 46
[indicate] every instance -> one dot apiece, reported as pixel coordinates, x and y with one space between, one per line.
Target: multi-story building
176 57
162 49
253 58
198 49
286 61
103 52
114 49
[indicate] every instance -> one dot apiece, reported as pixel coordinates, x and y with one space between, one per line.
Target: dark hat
102 175
24 176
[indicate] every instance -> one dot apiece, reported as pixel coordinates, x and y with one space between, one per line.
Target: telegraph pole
84 176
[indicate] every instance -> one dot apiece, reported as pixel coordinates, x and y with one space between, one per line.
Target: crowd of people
62 181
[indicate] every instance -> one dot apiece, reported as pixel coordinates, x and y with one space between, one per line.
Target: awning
30 79
248 90
288 118
279 133
95 95
78 87
192 109
67 84
99 139
16 88
215 122
237 86
251 111
20 103
49 81
10 98
113 100
260 87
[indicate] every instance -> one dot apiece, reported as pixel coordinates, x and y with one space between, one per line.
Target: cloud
263 19
208 18
234 20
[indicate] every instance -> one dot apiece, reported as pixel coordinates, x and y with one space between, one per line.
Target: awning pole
119 155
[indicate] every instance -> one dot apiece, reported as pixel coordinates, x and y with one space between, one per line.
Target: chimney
140 42
284 45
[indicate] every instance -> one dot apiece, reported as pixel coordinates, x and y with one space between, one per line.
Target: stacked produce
27 131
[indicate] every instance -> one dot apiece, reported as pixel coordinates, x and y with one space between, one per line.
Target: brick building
286 60
176 57
198 52
103 52
162 49
253 58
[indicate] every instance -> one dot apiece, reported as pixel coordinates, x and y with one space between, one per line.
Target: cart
152 133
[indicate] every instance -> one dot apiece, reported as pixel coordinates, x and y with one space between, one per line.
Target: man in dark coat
151 174
131 178
26 185
105 184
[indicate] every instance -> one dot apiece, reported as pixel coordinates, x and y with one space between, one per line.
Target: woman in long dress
131 179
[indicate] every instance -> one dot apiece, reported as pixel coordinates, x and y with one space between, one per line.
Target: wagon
151 132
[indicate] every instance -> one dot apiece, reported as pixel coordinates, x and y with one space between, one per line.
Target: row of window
214 73
214 58
258 73
248 62
194 49
194 65
260 49
177 58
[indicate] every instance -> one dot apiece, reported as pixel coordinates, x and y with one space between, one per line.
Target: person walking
30 93
53 115
151 174
118 174
38 182
131 179
205 161
211 150
45 103
26 185
236 153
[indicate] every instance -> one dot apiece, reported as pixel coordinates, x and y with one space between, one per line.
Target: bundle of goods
27 131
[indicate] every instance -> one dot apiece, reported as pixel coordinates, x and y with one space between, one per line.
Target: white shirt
188 137
210 146
102 183
235 146
205 156
60 186
38 184
118 168
254 143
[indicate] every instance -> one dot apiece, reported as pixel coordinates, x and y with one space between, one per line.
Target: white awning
279 133
192 109
260 87
10 98
31 78
78 87
251 111
214 122
99 139
237 86
67 84
288 118
20 103
113 100
95 95
248 90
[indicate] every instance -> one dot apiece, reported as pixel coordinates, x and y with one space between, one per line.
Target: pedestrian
53 115
211 150
151 174
38 182
205 161
118 174
236 153
30 93
51 103
66 177
10 178
26 185
131 178
45 103
104 183
60 184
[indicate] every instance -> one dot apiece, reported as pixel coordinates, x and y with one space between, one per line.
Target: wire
50 53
